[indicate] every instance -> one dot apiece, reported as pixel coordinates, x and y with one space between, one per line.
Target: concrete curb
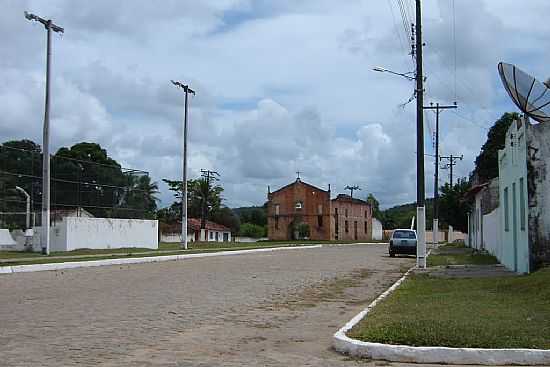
138 260
443 355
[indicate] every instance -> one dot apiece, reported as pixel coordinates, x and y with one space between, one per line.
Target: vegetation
400 216
453 209
252 230
83 175
457 255
253 219
375 205
486 163
199 191
494 312
8 258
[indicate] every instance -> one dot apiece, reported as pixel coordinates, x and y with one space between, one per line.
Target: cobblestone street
265 309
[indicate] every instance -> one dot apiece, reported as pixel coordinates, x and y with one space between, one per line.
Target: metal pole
45 236
45 243
435 225
187 90
420 189
451 168
184 183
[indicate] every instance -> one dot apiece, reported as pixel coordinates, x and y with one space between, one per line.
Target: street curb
138 260
443 355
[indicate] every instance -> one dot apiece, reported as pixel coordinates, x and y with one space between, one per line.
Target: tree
486 164
197 190
225 216
252 230
453 209
375 205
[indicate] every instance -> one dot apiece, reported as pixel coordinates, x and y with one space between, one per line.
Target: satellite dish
531 96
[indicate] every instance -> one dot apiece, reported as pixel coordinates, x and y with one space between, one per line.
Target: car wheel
392 254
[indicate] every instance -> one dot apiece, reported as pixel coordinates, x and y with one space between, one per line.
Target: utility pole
420 189
352 189
452 162
187 90
45 236
435 226
208 175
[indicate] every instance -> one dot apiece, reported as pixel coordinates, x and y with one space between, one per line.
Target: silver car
403 241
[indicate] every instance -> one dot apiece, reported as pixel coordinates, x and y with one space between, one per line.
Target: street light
45 240
404 75
187 90
28 229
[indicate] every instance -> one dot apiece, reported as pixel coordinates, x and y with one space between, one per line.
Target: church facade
302 211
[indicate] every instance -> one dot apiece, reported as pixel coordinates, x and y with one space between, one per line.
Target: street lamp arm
404 75
21 190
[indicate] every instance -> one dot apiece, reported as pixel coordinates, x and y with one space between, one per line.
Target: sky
281 86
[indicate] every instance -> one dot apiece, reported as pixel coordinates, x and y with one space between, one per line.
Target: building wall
356 215
377 230
315 204
514 237
175 237
108 233
538 165
491 233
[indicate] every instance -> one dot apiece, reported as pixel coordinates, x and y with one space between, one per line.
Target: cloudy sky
281 85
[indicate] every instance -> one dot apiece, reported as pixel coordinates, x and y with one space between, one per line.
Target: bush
252 230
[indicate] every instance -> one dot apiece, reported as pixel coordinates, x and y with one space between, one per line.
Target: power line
401 43
452 162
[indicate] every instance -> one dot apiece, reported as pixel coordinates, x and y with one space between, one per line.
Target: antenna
531 96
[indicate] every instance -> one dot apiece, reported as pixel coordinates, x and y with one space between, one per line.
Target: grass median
475 312
10 258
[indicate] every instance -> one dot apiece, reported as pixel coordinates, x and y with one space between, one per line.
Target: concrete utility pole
208 175
352 189
187 90
452 162
45 236
420 189
435 227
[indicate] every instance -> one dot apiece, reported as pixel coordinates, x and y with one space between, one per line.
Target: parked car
403 241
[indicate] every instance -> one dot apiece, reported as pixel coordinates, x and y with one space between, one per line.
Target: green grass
496 312
457 254
24 258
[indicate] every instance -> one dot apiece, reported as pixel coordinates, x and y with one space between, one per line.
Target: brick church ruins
300 210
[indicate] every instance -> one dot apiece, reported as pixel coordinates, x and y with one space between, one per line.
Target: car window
404 234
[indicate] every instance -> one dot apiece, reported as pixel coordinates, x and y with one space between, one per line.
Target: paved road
266 309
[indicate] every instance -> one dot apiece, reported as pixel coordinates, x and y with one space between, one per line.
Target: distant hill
400 216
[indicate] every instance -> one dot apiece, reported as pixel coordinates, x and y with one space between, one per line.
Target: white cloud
281 86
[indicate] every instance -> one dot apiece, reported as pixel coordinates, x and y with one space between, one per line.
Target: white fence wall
108 233
491 233
249 239
377 230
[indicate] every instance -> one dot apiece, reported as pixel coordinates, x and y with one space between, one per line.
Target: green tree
252 230
375 205
197 191
225 216
486 163
453 209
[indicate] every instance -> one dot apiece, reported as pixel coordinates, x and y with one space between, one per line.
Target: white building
214 232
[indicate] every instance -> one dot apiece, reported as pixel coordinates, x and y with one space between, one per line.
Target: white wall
175 237
491 233
107 233
377 230
249 239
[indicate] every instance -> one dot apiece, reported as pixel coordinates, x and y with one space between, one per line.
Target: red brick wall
312 200
356 213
